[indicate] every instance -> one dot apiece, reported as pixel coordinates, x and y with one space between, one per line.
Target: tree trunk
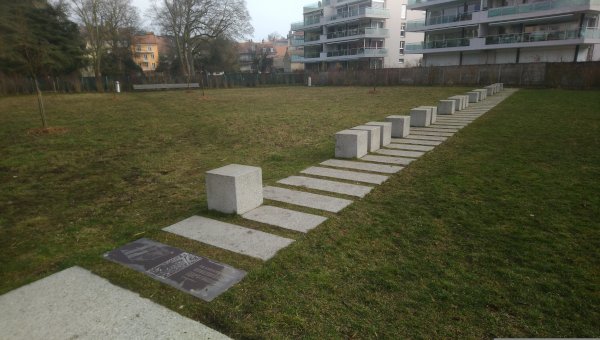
98 75
40 100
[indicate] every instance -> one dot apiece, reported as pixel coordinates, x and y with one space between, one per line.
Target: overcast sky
267 15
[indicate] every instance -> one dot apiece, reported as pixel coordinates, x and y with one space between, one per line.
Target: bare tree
89 15
103 22
191 22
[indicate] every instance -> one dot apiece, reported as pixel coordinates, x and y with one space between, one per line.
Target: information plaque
193 274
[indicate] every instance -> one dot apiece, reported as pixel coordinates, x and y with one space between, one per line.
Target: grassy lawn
495 233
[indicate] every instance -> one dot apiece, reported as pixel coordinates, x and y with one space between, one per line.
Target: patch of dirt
55 130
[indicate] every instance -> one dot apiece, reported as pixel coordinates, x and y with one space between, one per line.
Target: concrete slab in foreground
285 218
75 303
306 199
326 185
231 237
345 174
384 169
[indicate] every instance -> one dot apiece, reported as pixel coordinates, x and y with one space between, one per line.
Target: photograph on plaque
190 273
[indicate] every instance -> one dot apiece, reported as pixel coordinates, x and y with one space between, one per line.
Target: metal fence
565 75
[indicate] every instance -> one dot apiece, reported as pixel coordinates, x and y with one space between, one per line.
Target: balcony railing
369 12
312 7
366 52
439 20
297 25
538 6
459 42
373 32
297 42
538 36
591 33
311 54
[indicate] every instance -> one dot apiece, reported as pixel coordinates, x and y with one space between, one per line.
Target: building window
145 57
401 50
401 61
153 66
152 55
403 12
403 29
149 48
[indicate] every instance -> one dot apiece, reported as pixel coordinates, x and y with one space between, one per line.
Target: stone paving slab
434 138
384 169
388 160
432 133
451 124
75 303
400 153
429 129
231 237
285 218
411 147
345 174
458 119
416 141
443 126
327 185
306 199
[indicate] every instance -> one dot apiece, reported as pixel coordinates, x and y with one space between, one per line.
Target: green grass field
493 234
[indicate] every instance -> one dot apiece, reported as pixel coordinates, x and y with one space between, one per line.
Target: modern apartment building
471 32
357 34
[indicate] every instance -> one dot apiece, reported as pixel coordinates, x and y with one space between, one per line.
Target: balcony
360 32
419 4
312 7
297 42
417 25
538 6
437 44
360 52
541 36
369 12
306 24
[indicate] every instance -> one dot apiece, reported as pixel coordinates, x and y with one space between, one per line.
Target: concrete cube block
501 85
458 102
386 132
482 94
433 113
420 117
374 140
465 101
446 107
473 96
400 125
490 90
234 188
351 143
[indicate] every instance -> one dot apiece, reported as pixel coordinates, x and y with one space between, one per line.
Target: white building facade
473 32
357 34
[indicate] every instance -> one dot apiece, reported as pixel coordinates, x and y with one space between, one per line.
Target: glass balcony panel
538 6
536 36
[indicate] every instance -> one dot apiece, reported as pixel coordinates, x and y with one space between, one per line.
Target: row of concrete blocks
238 188
360 140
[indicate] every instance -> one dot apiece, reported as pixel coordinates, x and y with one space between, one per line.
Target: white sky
267 15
